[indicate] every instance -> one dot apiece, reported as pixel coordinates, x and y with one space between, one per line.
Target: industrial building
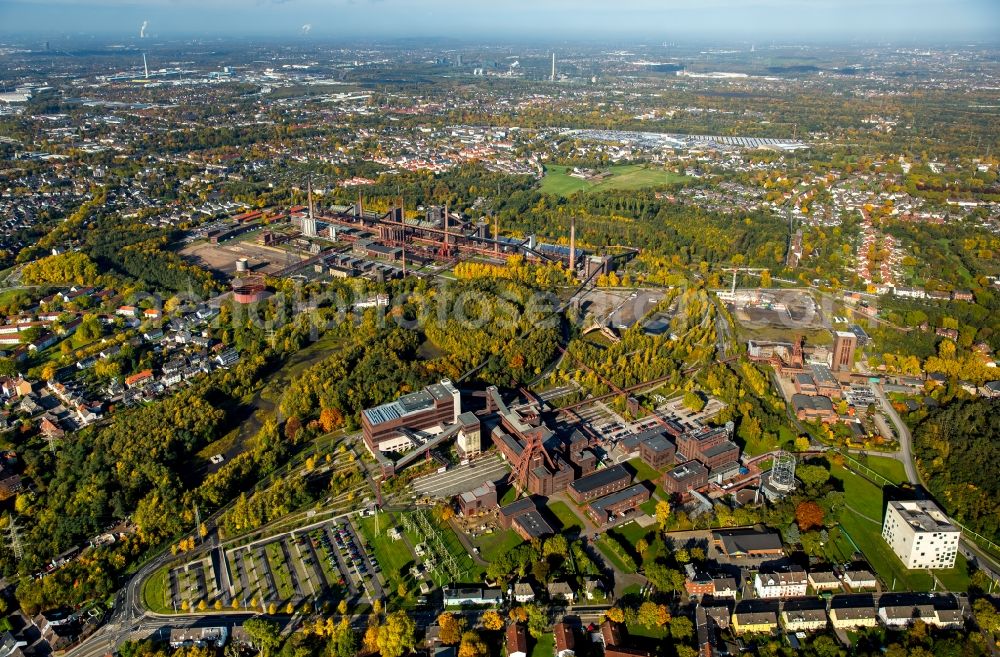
600 483
711 446
524 518
617 504
657 451
844 345
390 427
685 478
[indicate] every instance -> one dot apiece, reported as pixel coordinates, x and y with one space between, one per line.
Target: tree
809 515
664 578
519 614
693 401
345 640
986 615
812 476
641 546
802 443
371 639
681 629
492 620
663 514
648 614
472 645
540 571
556 545
397 636
452 627
615 615
342 607
292 428
264 634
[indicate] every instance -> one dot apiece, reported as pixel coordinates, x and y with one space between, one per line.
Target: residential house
561 591
139 378
755 617
803 615
565 640
859 580
823 580
517 640
523 592
787 583
852 611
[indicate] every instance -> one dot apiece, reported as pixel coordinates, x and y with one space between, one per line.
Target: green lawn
156 591
544 646
861 494
558 182
632 532
566 516
491 546
889 468
658 633
612 556
393 556
643 471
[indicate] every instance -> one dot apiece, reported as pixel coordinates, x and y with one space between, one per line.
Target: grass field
393 556
612 555
865 499
558 182
566 516
544 646
155 591
491 546
889 468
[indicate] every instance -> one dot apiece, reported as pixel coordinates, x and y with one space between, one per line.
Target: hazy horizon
758 21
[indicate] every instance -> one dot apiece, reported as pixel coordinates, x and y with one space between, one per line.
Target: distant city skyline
661 20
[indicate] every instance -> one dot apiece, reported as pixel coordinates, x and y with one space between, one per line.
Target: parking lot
322 562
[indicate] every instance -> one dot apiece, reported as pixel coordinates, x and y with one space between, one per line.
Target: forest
958 454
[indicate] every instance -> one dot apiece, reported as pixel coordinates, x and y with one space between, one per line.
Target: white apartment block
920 534
783 584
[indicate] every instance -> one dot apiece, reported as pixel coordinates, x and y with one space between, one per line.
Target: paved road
905 439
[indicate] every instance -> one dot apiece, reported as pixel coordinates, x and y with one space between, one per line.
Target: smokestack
572 245
447 251
309 192
361 207
144 66
496 234
553 78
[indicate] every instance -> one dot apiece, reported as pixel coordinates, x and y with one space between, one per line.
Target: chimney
572 245
309 187
496 234
447 250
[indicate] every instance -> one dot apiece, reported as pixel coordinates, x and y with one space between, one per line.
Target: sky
660 20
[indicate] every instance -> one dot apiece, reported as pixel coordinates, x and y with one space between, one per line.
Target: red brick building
600 483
